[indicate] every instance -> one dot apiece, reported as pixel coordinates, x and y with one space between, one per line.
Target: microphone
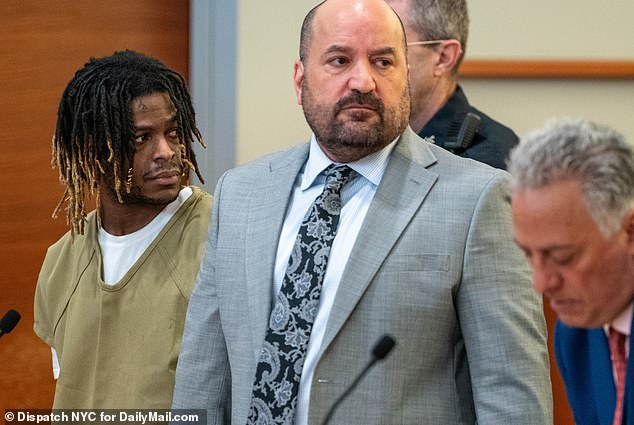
379 352
467 132
8 322
458 143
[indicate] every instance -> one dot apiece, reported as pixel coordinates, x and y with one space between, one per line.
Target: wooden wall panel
42 44
548 69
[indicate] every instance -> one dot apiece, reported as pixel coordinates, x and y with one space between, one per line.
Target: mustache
165 169
358 98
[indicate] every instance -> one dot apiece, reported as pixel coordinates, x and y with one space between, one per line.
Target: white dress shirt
356 197
623 324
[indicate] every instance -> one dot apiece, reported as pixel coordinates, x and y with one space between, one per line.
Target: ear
449 54
298 78
628 225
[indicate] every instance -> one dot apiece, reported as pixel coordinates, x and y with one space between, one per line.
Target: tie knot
337 176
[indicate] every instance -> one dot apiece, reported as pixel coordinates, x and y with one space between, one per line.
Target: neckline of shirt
622 322
371 167
168 211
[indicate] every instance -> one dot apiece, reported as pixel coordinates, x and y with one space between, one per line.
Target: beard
138 197
136 194
347 139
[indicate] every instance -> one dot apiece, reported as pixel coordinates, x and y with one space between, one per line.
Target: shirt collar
622 322
447 120
371 166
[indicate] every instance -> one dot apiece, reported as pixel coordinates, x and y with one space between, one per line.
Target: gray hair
596 156
441 20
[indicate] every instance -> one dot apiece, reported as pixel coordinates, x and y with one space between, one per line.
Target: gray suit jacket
434 265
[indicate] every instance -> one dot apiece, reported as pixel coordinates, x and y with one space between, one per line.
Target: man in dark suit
437 39
573 214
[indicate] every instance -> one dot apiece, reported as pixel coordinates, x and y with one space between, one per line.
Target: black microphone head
8 322
383 347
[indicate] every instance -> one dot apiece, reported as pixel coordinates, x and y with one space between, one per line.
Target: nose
362 78
164 149
545 278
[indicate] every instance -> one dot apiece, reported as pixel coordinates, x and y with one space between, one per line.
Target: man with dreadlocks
112 293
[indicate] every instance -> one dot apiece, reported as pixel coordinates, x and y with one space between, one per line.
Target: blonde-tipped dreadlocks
94 135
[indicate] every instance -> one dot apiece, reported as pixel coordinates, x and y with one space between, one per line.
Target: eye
141 138
338 61
383 63
562 257
173 133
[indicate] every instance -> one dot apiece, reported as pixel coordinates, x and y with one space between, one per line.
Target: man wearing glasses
437 36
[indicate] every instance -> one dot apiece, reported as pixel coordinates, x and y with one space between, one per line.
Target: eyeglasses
425 43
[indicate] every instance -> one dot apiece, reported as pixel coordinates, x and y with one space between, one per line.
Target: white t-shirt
119 253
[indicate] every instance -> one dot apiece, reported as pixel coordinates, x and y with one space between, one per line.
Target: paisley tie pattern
282 357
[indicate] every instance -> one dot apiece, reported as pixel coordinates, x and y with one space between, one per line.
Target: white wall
269 119
524 104
555 29
546 29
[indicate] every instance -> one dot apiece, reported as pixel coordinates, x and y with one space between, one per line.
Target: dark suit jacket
492 141
583 356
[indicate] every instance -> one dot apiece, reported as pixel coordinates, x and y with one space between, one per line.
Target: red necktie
617 352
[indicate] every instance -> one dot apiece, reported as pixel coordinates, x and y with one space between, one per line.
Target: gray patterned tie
280 367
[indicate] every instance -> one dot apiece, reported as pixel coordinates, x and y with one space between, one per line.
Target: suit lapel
268 202
601 372
402 190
